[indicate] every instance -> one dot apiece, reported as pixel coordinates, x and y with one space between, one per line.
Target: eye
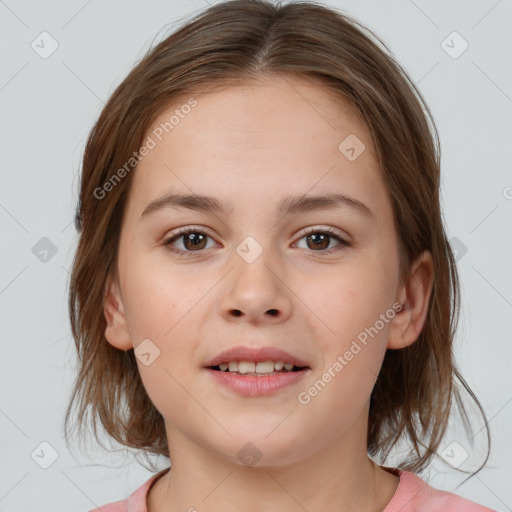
193 241
319 239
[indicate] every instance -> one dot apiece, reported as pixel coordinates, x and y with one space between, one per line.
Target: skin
250 146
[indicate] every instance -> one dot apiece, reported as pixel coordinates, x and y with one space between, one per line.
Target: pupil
195 238
324 238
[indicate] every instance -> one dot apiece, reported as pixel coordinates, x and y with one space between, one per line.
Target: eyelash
305 232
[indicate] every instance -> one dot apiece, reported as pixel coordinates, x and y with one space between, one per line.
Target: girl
263 290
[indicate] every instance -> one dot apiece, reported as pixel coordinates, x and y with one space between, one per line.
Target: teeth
246 367
265 367
261 367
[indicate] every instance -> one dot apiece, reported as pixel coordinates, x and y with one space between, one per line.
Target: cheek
160 310
352 335
168 307
158 298
349 299
352 349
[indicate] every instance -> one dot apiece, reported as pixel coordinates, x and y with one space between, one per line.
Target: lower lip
257 386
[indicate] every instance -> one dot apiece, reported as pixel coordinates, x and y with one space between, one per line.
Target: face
318 282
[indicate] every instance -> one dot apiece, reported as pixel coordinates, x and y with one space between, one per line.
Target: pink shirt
413 494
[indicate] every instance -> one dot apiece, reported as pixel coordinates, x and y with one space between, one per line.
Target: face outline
232 146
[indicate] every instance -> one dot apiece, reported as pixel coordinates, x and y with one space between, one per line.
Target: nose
256 292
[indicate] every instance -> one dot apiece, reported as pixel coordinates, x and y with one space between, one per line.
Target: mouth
257 369
256 361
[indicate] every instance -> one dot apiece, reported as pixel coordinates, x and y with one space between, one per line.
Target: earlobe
414 297
116 331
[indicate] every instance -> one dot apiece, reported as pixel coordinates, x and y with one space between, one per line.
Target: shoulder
118 506
415 495
136 501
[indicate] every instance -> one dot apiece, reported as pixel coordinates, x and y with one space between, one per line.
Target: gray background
47 107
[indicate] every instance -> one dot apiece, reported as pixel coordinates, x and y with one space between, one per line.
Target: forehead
268 111
274 135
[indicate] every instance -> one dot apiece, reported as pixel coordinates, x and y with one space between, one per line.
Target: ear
414 296
116 331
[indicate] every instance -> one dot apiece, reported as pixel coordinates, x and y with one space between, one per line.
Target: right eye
193 241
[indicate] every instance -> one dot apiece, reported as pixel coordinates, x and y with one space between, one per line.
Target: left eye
194 240
321 239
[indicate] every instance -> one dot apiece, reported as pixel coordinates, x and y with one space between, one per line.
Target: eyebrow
289 206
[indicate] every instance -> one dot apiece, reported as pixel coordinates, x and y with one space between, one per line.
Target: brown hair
236 41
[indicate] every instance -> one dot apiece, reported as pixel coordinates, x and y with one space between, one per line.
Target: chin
261 448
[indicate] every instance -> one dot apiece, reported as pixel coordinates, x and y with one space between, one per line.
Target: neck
341 477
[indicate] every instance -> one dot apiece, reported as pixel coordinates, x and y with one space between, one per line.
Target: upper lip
255 354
